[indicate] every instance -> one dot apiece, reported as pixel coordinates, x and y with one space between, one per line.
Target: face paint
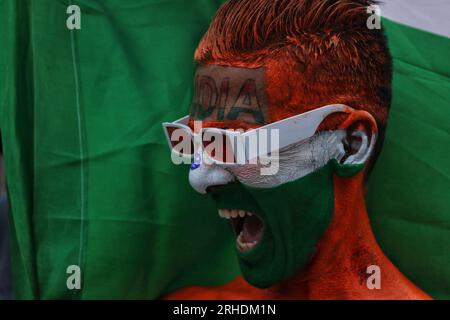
295 161
197 161
281 217
203 175
295 215
230 94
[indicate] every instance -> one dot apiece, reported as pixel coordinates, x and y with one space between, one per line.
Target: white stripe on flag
429 15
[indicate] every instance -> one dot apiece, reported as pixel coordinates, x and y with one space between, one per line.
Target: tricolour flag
409 190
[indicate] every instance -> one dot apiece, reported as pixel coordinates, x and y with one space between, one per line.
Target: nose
206 176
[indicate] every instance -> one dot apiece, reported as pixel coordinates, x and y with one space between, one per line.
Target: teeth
233 213
224 213
239 239
244 246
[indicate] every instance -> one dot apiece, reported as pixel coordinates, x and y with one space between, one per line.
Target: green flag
408 193
90 179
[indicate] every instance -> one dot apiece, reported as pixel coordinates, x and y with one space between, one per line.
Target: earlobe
354 154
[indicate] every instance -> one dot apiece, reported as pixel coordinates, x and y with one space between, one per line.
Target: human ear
359 139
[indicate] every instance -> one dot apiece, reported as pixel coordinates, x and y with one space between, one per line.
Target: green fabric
89 174
408 192
291 231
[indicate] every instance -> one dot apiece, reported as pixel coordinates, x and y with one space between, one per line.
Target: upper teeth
228 214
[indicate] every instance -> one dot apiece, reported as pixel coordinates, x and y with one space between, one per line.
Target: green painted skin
295 215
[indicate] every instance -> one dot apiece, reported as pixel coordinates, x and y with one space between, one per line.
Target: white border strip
428 15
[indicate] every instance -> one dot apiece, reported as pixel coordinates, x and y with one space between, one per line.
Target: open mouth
248 227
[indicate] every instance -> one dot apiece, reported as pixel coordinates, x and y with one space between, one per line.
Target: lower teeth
245 245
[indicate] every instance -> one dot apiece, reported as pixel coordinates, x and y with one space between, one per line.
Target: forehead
230 95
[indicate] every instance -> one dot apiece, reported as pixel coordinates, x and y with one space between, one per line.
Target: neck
339 269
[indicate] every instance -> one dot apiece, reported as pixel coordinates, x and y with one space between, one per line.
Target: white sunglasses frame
291 130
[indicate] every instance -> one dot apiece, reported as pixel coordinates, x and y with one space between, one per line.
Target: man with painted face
314 71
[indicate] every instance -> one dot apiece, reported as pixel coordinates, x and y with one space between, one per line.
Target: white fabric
429 15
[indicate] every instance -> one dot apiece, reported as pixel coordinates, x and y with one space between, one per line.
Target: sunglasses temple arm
294 132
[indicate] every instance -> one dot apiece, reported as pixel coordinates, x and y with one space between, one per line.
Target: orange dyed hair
316 52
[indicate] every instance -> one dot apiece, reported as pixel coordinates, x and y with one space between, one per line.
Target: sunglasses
232 148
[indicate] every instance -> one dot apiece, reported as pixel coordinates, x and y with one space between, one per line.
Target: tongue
252 229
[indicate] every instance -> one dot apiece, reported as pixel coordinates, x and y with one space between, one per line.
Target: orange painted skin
338 269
